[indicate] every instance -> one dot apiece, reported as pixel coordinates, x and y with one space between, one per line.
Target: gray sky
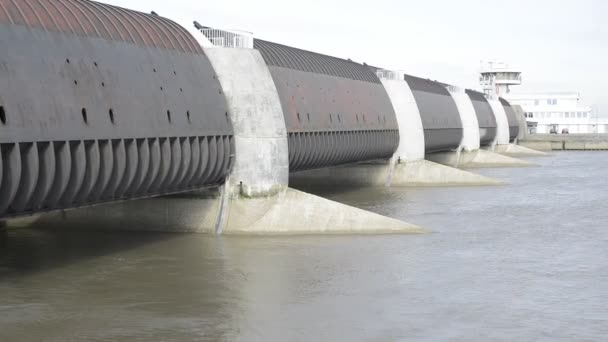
558 45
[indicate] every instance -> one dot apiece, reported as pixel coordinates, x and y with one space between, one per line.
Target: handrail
228 38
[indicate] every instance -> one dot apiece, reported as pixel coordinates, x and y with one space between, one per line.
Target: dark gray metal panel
63 168
439 113
11 174
186 163
47 175
296 59
512 118
320 103
132 161
324 99
119 169
77 172
29 176
205 165
101 86
485 116
44 96
91 171
146 171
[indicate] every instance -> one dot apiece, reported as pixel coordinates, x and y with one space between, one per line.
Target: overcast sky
558 45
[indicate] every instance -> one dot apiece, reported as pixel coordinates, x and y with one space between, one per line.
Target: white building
546 112
557 113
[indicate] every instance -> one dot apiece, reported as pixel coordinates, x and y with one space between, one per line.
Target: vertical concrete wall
261 164
411 132
470 125
502 124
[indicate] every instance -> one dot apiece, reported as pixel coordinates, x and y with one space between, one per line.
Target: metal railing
228 38
389 75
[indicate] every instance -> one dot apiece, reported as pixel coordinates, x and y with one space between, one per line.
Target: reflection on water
526 261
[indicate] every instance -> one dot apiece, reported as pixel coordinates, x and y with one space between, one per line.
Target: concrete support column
502 124
408 166
411 132
261 161
470 125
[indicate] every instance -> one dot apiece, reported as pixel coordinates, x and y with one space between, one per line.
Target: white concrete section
477 159
288 212
470 126
261 165
296 212
415 173
502 124
519 151
411 132
485 158
427 173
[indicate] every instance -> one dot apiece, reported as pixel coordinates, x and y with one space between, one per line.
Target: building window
584 115
532 115
579 114
536 102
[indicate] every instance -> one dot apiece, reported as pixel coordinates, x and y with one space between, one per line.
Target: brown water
527 261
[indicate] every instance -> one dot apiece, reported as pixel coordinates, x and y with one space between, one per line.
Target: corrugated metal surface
292 58
86 120
512 118
485 116
336 111
439 113
93 19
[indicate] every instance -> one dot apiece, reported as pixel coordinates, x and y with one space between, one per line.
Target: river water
521 262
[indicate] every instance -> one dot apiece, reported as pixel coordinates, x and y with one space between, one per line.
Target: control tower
496 77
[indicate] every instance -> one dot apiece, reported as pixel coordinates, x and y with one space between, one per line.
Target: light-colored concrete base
427 173
559 142
513 150
287 212
537 145
476 159
296 212
404 174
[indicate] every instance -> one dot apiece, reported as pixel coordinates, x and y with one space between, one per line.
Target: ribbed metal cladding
439 113
336 111
485 116
512 118
47 175
100 104
93 19
289 57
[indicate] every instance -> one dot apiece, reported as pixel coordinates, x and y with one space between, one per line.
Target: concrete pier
288 212
513 150
477 159
404 174
409 167
566 142
230 122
